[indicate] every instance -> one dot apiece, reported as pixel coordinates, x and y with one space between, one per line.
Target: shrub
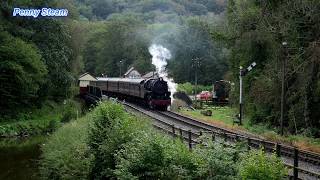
258 165
66 154
216 161
71 111
111 128
153 156
53 125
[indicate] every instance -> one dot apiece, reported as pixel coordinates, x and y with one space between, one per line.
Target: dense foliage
121 146
126 31
36 58
95 37
256 165
119 39
21 66
257 31
66 154
151 10
111 128
41 121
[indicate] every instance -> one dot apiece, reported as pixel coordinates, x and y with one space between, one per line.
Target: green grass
39 121
223 114
224 117
66 152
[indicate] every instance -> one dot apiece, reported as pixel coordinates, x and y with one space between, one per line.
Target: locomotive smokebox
157 86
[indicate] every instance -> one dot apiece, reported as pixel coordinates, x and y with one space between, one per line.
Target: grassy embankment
224 116
40 121
109 143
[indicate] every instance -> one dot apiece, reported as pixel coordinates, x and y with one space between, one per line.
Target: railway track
305 163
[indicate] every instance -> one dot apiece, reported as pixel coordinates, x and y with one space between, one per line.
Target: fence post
249 142
180 130
237 138
173 131
225 136
200 133
278 149
190 139
295 164
213 137
263 146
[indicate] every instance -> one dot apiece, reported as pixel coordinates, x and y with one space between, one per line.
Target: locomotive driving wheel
163 108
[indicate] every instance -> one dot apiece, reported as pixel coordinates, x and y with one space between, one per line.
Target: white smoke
160 55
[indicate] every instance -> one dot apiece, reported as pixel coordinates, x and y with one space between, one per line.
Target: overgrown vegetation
66 154
36 56
257 32
256 165
43 120
119 145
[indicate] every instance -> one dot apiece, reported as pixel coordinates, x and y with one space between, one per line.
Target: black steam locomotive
152 92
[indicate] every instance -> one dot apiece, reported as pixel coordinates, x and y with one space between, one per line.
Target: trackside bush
216 161
153 156
258 165
112 127
66 154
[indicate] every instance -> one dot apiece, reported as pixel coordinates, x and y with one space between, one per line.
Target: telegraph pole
196 63
283 89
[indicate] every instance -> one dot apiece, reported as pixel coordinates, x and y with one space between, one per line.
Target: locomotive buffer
242 73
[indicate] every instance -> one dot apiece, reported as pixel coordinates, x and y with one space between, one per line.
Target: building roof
86 76
83 74
130 70
137 80
151 74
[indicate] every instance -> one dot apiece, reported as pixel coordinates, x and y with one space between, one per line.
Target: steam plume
160 55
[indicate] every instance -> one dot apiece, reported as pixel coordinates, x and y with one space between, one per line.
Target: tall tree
120 39
257 30
21 73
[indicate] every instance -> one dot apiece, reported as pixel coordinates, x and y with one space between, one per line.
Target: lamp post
283 89
120 68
